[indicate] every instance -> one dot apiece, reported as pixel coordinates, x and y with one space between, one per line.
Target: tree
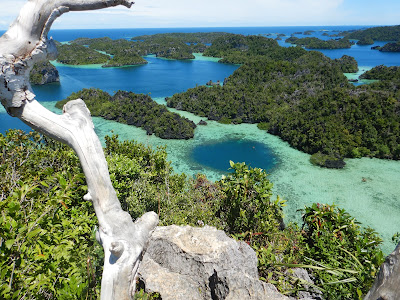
26 43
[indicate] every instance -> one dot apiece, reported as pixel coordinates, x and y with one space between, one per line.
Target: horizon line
245 26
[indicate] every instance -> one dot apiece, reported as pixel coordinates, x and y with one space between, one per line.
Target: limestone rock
202 122
43 73
183 263
387 283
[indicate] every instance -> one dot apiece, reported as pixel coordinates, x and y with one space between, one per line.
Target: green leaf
62 182
44 183
9 243
33 233
13 207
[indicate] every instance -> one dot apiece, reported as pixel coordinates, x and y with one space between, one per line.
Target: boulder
387 283
183 263
202 122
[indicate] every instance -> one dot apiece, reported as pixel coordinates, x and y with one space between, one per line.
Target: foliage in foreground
47 245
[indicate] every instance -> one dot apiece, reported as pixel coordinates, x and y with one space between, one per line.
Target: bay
367 188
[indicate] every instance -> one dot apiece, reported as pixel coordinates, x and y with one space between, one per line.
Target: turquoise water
367 188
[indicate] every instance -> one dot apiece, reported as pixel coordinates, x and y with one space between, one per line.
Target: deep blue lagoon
218 155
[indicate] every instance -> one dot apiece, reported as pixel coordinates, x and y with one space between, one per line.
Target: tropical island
301 96
364 41
381 33
164 46
188 38
390 47
316 43
135 109
382 73
73 54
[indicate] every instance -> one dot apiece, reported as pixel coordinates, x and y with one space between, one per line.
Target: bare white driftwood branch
26 43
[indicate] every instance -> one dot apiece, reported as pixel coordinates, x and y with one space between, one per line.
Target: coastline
366 188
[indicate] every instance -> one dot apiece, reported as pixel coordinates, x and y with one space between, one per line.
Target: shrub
345 257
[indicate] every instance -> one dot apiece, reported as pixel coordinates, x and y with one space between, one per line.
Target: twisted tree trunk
26 43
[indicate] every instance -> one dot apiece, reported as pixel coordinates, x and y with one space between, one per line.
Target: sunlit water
366 188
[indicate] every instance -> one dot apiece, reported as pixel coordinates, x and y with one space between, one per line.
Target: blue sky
224 13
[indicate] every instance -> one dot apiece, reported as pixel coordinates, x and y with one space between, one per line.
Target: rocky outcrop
43 73
387 283
183 263
202 122
211 83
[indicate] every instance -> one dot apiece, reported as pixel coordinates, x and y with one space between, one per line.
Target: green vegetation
390 47
125 59
135 109
189 37
46 230
382 73
365 40
308 32
238 49
79 55
347 64
329 230
327 161
121 51
162 46
301 96
316 43
43 72
166 47
48 248
383 33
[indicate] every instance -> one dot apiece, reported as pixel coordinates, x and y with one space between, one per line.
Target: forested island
381 33
316 43
390 47
301 96
382 73
79 55
363 41
135 109
188 38
163 46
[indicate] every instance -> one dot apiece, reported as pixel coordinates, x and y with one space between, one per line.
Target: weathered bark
26 43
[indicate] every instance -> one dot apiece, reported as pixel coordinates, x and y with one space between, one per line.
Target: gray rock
43 73
387 283
310 293
185 263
